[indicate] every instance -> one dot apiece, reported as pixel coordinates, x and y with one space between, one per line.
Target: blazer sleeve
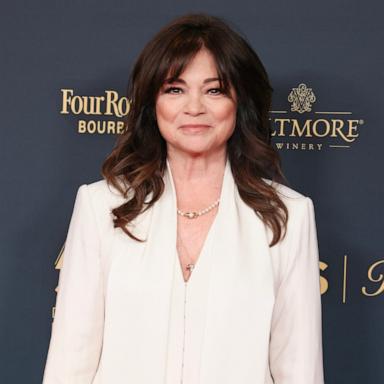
77 329
295 355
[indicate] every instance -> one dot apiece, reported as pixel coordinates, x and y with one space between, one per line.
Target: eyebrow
179 80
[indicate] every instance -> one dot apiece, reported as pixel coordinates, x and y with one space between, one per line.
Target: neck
187 168
197 179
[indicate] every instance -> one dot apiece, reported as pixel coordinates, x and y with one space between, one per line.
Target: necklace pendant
191 215
190 267
195 214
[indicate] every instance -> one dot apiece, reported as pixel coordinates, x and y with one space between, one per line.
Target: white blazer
263 322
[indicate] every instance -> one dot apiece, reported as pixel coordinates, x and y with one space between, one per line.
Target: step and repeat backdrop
65 67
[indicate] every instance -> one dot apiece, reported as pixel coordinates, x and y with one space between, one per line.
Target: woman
191 262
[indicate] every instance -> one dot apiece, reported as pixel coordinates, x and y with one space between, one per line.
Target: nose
194 105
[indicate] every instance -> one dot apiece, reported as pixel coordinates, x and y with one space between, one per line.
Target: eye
215 91
173 90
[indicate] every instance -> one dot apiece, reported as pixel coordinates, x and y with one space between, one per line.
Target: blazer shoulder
103 198
286 193
103 193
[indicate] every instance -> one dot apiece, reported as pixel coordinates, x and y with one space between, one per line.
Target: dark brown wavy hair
137 163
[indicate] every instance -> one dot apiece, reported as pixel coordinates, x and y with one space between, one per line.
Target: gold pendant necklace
195 214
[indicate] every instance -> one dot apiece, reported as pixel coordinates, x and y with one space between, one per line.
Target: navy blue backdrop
325 61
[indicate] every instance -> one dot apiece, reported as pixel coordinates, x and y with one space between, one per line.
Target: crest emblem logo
301 98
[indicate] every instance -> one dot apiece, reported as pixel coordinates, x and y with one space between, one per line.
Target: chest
191 236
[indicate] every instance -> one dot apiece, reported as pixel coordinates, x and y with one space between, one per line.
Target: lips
194 129
194 126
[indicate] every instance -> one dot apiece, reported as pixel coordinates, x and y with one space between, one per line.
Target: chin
194 151
196 146
197 150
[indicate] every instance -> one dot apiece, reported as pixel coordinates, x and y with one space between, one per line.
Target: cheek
226 114
166 115
165 111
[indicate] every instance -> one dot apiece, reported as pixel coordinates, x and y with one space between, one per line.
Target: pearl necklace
195 214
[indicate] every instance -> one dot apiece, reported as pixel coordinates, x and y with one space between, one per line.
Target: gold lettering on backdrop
337 127
66 99
300 131
325 127
120 106
352 127
378 279
109 105
332 132
100 127
282 127
300 146
316 128
323 281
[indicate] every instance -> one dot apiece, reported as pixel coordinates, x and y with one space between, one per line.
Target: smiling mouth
194 126
194 129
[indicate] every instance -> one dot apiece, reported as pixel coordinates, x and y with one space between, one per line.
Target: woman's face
192 114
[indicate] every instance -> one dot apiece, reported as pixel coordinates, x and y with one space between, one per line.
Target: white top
188 317
253 312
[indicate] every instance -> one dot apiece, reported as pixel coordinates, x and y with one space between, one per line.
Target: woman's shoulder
301 210
101 186
298 204
286 193
101 193
101 198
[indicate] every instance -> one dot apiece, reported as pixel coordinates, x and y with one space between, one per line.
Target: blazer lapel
139 293
241 293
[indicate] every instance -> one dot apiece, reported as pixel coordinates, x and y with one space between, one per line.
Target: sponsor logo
303 128
95 114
